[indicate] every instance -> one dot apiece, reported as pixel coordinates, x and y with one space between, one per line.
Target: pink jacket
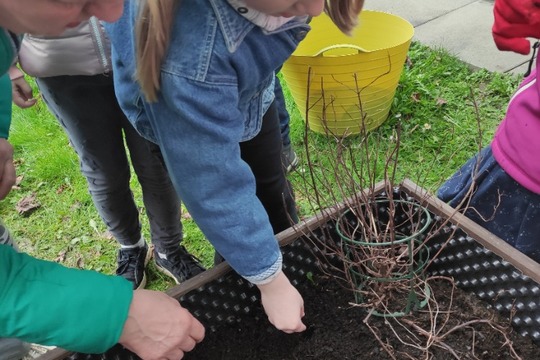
516 145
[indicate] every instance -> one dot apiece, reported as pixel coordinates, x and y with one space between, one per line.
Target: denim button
301 35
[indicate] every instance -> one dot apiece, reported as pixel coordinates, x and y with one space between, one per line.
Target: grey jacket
84 50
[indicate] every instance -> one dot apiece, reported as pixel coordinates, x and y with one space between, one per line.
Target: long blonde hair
152 34
154 25
344 13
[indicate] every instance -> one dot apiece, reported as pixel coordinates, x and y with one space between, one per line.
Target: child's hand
283 304
515 21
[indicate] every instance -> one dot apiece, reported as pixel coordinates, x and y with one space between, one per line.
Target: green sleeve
5 105
46 303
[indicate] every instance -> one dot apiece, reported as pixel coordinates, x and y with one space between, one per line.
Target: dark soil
336 330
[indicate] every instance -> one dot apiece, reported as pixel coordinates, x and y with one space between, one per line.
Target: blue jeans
87 109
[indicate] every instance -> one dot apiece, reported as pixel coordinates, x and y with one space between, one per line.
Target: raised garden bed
497 283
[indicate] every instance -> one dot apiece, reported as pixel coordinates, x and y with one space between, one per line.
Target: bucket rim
405 22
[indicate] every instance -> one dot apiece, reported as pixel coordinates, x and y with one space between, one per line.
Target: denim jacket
213 80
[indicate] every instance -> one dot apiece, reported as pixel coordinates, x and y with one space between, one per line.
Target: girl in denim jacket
204 91
501 185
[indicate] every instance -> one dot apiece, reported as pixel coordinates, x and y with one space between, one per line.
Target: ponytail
152 36
344 13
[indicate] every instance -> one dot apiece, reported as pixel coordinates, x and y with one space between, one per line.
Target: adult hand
283 304
157 327
515 21
21 90
7 169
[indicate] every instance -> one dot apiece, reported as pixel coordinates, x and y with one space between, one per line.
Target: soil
337 330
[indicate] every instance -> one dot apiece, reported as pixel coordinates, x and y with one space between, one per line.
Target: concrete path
463 27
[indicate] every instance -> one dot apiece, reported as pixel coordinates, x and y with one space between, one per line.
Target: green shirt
5 105
8 47
49 304
46 303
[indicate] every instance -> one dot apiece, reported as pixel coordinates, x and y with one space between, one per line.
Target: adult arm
7 169
85 311
46 303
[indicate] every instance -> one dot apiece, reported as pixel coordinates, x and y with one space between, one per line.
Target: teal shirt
8 48
5 105
43 302
49 304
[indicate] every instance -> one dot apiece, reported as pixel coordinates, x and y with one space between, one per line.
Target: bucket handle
341 46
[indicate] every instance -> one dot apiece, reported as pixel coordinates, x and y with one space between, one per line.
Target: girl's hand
283 304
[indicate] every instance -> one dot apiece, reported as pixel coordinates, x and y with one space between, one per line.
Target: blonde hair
154 25
344 13
152 35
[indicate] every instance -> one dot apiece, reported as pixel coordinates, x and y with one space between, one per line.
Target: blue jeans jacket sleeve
201 149
213 83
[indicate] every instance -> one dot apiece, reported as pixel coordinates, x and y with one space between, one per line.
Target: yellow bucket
352 80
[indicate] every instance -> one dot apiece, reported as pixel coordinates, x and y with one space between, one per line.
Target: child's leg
263 155
5 236
86 108
163 208
160 198
283 114
289 158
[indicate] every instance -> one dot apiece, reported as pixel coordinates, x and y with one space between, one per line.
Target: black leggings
263 155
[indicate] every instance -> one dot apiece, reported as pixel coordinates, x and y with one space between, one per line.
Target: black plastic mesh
230 298
480 271
474 268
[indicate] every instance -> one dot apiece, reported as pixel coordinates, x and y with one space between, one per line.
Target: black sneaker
132 264
179 265
289 159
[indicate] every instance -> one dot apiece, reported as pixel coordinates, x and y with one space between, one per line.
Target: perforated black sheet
474 268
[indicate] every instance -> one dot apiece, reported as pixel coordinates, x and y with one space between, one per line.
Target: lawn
444 110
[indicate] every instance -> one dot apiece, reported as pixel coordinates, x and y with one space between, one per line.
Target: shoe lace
185 263
125 261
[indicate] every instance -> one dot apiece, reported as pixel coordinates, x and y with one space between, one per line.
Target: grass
446 112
